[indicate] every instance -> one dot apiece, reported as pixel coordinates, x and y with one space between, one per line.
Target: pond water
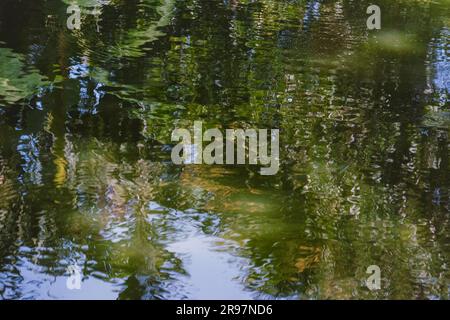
86 177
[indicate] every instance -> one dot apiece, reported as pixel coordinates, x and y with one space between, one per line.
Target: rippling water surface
86 177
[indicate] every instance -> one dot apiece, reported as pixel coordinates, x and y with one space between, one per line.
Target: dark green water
86 176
